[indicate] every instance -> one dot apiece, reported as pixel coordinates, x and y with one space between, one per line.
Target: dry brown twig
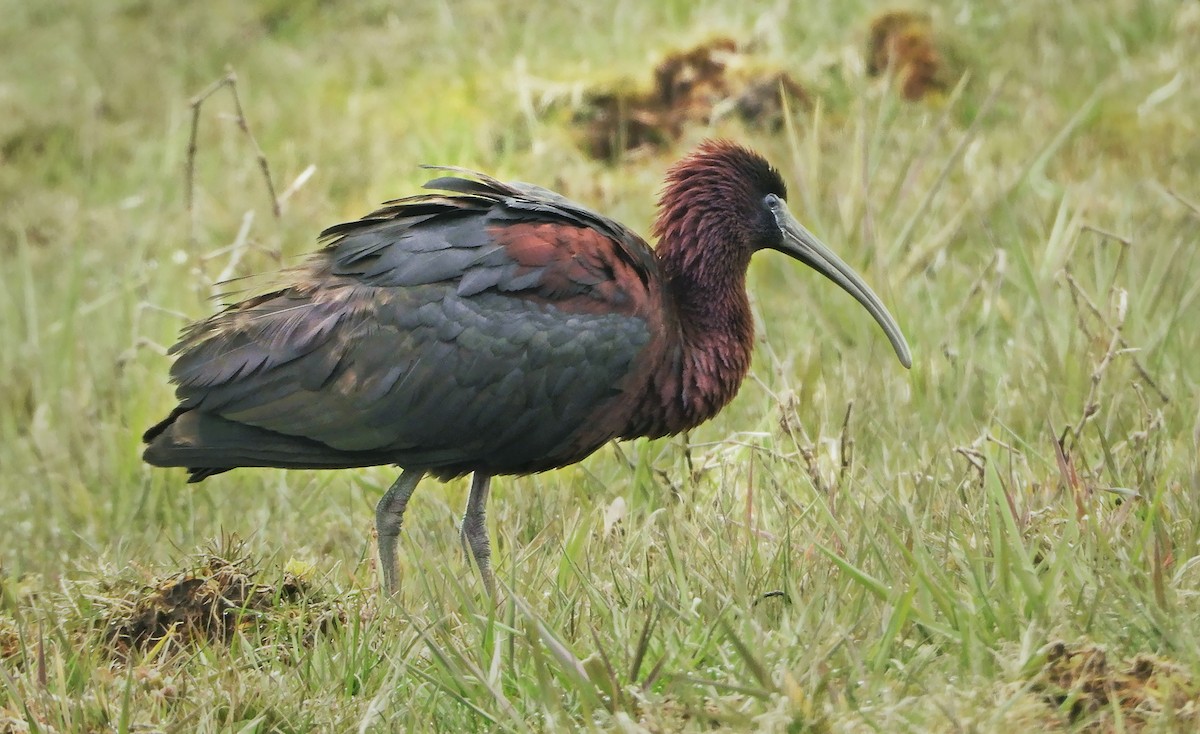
1070 477
974 457
1078 293
814 469
228 81
1107 234
1090 406
847 450
1187 203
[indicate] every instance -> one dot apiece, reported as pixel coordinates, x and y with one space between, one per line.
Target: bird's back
497 328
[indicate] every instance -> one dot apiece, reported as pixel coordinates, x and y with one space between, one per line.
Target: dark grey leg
389 515
474 530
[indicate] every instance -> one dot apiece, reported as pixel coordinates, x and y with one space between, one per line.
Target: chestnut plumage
490 328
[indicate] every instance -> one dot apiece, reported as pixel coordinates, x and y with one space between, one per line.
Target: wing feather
484 328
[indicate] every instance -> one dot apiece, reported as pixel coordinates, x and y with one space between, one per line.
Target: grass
1004 538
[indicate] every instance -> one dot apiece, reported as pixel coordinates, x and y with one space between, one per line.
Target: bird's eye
772 202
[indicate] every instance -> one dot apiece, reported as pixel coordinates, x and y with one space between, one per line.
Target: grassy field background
1006 538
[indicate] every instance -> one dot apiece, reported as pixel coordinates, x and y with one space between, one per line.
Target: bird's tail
208 444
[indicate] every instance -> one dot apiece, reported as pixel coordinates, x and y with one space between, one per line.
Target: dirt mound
208 602
901 43
695 86
1084 684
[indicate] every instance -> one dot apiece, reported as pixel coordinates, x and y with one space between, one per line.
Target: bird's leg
474 530
389 515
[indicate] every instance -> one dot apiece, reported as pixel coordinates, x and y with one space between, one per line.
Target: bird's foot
476 545
389 516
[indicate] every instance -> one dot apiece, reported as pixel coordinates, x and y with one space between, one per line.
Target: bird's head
724 202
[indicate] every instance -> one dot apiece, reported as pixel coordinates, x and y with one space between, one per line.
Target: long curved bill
799 243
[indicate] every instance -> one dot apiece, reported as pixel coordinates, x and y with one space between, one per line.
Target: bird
491 329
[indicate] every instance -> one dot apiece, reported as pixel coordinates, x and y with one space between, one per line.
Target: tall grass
848 547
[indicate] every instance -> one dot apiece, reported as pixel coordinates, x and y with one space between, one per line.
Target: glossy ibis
493 328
